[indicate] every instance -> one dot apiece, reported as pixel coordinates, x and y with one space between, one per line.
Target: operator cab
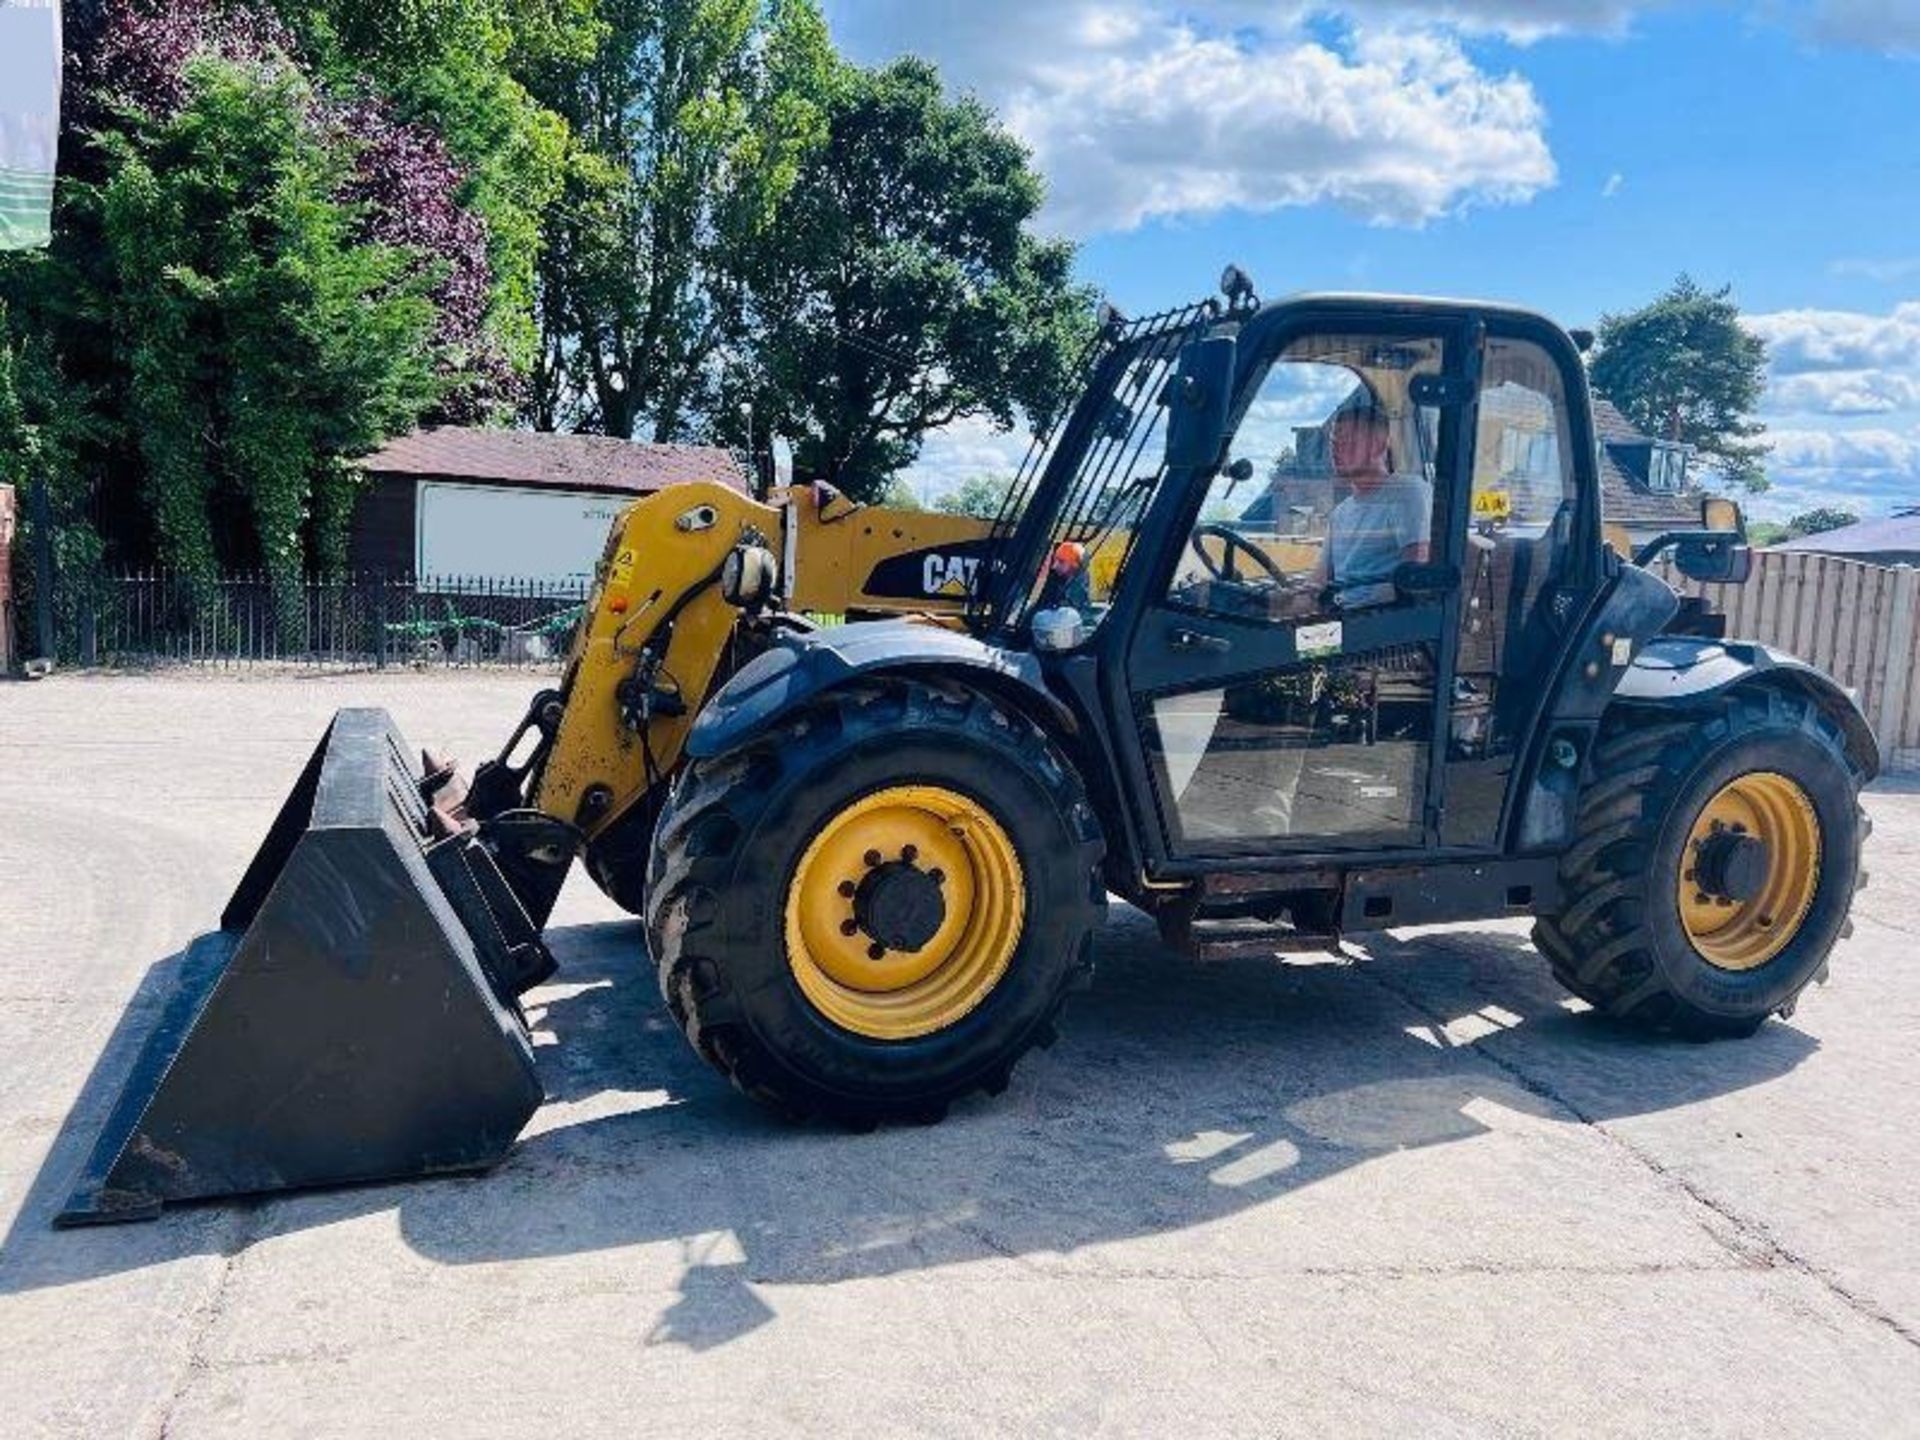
1332 627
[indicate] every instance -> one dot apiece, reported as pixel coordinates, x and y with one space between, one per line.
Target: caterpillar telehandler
1302 621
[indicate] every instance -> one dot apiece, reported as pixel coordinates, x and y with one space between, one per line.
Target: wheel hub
904 911
900 905
1750 870
1731 866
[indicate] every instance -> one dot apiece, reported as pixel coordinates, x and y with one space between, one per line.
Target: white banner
29 120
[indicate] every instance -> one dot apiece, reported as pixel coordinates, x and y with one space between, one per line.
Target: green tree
1818 522
454 65
44 420
1684 369
905 290
899 495
980 496
261 343
691 120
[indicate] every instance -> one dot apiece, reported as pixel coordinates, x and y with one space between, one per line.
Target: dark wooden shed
587 477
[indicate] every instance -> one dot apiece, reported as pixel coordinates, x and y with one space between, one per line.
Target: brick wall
8 513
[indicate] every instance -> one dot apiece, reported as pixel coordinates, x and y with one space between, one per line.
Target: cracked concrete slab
1416 1189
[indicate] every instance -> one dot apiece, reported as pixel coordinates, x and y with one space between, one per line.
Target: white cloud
1845 392
1885 272
1890 26
1138 109
1831 369
1869 452
1616 182
1521 20
1866 471
963 451
1292 397
1803 341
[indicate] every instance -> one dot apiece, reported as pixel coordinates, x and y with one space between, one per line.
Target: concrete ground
1417 1192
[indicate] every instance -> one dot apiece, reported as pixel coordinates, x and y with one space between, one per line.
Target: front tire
1716 860
878 908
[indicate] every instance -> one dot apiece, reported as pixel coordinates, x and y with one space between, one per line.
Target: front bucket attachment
354 1017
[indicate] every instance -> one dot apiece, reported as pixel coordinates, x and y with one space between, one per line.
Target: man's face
1359 447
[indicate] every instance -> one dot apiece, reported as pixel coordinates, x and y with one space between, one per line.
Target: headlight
749 576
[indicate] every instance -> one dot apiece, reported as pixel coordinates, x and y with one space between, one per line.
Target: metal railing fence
152 618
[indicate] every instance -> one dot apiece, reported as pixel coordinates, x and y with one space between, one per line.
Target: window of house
1666 470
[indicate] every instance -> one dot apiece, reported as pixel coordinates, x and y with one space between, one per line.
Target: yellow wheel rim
856 960
1742 905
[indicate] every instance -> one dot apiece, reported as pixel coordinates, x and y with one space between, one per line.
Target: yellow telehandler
1390 674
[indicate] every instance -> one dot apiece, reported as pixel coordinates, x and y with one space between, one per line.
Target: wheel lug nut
876 951
910 853
849 927
873 859
848 889
939 877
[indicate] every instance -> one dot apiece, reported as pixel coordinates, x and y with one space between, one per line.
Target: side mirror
1714 559
1719 513
1417 580
1199 398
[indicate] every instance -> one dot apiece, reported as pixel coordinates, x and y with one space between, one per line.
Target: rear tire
1622 943
737 831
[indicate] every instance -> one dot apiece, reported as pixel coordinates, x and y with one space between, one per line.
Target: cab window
1331 488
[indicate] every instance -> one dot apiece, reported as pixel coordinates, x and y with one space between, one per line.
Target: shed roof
566 462
1899 534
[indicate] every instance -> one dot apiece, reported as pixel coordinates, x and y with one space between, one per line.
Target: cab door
1527 552
1289 697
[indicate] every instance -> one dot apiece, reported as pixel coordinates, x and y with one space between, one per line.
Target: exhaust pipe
356 1016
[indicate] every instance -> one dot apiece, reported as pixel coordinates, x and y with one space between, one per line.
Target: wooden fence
1855 621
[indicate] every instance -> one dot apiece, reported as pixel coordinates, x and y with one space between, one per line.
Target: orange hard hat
1068 555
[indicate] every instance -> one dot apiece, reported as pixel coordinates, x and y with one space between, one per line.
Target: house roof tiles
567 462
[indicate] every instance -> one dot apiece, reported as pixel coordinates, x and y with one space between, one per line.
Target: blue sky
1571 155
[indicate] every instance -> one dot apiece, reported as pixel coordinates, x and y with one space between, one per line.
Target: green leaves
691 125
291 228
981 496
261 340
905 290
1821 520
1685 369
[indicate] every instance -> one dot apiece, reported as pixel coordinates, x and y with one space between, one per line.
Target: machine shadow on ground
1178 1094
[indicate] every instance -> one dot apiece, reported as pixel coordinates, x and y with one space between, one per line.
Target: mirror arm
1652 550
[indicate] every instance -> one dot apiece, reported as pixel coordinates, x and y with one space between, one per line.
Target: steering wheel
1232 540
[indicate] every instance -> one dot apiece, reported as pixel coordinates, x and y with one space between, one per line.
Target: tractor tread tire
723 851
1610 944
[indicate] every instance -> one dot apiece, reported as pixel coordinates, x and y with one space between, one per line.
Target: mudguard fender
1670 672
802 666
1681 671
